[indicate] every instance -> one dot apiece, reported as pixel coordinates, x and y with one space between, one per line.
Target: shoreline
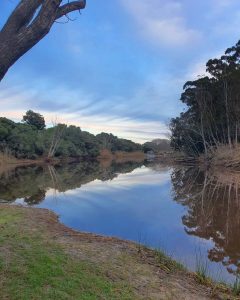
153 274
118 157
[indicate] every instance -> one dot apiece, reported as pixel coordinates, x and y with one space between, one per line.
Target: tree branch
21 16
69 7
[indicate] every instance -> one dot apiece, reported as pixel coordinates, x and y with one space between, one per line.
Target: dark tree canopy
29 22
212 117
34 119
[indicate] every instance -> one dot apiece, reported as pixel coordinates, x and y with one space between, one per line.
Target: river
191 214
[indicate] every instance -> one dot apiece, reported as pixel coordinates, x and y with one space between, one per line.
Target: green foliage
34 119
113 143
28 141
213 108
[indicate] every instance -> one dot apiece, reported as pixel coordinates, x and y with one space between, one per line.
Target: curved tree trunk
30 21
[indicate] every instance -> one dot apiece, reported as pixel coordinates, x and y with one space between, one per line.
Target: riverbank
7 161
42 259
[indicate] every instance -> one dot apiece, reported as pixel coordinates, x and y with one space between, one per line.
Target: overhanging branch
69 7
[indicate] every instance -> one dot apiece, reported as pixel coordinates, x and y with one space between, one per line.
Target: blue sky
120 66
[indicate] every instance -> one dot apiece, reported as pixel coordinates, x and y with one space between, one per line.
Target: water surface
186 211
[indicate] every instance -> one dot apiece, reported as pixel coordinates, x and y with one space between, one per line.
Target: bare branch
69 7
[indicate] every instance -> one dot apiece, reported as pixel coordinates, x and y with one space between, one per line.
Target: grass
166 262
42 259
236 286
32 267
202 269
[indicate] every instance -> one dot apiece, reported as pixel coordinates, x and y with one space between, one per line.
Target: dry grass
226 156
6 158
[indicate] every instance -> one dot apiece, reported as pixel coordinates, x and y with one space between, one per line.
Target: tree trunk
30 21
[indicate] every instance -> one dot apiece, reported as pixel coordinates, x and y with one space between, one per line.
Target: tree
29 22
212 117
34 119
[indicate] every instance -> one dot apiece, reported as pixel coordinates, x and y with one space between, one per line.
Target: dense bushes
113 143
31 140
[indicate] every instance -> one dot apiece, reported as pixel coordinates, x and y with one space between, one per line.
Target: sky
120 66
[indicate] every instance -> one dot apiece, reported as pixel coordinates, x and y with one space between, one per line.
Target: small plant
167 262
236 286
202 269
141 244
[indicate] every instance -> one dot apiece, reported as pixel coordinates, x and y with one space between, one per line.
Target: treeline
31 139
212 117
157 146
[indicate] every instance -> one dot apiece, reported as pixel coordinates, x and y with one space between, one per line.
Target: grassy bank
42 259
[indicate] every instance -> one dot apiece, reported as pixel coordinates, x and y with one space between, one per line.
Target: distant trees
32 140
29 22
157 145
113 143
213 102
34 119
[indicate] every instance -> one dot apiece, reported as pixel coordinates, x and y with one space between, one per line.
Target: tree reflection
31 183
213 211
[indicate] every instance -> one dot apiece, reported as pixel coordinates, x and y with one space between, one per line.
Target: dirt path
148 274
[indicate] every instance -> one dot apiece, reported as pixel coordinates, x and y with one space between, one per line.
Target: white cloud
162 22
94 121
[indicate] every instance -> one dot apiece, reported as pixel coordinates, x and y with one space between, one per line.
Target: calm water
185 211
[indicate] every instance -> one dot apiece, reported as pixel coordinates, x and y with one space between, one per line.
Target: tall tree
212 117
29 22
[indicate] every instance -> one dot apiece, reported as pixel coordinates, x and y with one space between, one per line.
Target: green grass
32 267
202 269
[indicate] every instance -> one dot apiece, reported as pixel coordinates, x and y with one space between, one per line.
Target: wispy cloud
85 113
162 22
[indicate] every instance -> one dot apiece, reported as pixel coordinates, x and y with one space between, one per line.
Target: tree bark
30 22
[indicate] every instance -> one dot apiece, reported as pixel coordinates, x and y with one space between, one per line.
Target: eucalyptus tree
29 22
212 117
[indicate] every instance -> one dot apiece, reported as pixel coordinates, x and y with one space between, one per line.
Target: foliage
157 145
34 119
213 107
31 140
113 143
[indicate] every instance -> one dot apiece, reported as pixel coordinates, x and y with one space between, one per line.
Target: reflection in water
213 211
130 199
32 182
